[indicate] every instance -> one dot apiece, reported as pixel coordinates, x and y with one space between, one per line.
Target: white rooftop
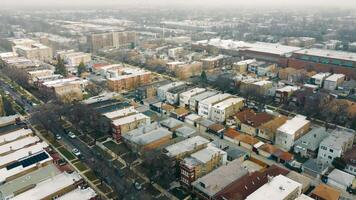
262 83
341 177
22 153
79 194
246 62
120 113
206 154
143 137
18 144
129 119
192 92
185 145
293 125
288 88
171 85
8 119
5 173
304 197
337 139
335 77
279 188
228 102
214 99
8 137
320 76
50 186
273 48
342 55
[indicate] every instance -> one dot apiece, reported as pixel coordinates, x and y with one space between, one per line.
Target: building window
331 150
330 157
323 148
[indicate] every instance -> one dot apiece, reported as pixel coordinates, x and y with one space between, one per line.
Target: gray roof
185 131
220 178
171 123
315 166
312 139
204 95
235 153
29 179
205 122
147 134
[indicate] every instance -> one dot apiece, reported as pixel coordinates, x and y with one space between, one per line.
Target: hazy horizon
197 3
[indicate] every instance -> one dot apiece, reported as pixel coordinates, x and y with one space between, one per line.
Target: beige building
127 79
225 109
73 58
111 40
36 51
34 75
128 123
67 90
200 163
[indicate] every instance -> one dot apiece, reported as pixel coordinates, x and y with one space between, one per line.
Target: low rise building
172 95
128 123
200 163
186 147
334 81
34 75
226 108
36 51
147 138
350 159
335 145
128 79
249 183
149 91
268 130
318 79
67 90
292 130
162 91
205 105
184 97
209 185
308 144
73 59
195 100
340 179
325 192
248 121
283 94
278 188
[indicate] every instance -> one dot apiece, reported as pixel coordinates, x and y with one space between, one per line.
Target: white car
71 135
76 152
58 137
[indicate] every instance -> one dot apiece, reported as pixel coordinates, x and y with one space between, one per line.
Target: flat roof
335 77
129 119
8 119
8 137
6 173
82 194
18 144
21 153
32 178
228 102
214 99
341 55
192 92
185 145
146 134
271 48
337 139
120 113
206 154
220 178
204 95
288 88
262 83
171 85
293 125
50 186
278 188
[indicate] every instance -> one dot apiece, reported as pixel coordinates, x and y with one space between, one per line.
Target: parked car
76 152
71 135
58 137
138 186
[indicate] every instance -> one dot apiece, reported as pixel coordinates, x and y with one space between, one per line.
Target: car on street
58 137
71 135
138 186
76 152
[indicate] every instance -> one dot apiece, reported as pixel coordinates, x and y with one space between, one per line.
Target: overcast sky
34 3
